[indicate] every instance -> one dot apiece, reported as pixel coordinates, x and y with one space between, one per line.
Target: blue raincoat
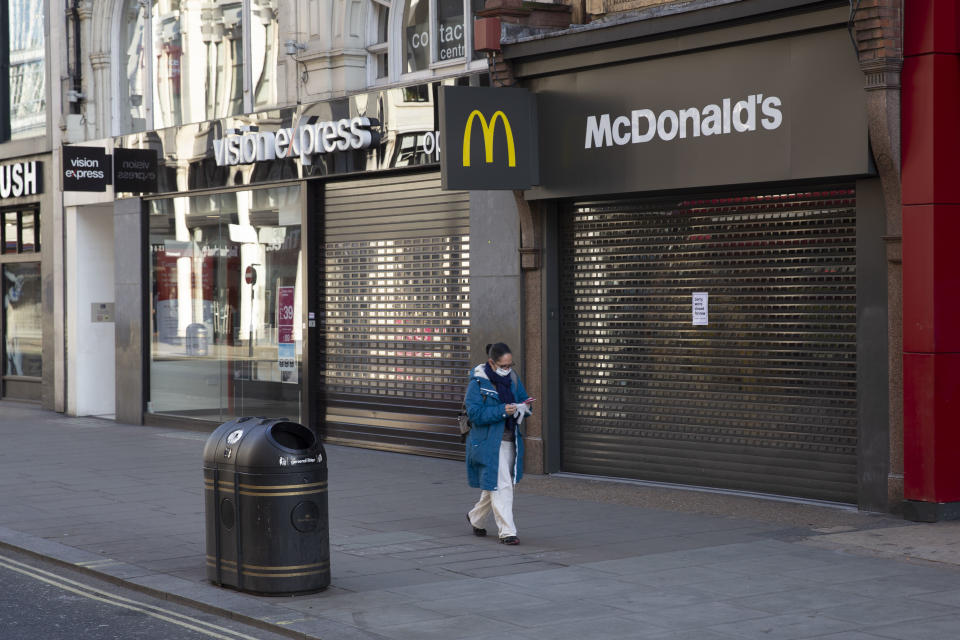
487 414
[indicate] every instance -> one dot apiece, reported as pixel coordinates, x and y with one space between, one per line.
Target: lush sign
20 179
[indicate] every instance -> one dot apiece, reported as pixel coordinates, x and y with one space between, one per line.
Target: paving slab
598 560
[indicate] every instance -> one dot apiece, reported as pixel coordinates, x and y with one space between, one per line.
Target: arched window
416 39
182 61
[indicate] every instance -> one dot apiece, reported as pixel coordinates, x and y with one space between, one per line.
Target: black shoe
477 531
510 540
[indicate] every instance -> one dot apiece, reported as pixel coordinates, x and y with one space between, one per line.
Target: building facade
292 253
711 226
297 256
27 205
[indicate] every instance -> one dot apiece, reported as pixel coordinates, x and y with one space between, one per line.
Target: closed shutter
396 313
763 398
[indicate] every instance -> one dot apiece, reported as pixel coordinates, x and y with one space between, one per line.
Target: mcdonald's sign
488 138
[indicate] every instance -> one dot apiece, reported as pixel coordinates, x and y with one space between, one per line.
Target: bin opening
293 436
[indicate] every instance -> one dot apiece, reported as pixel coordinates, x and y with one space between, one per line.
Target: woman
496 404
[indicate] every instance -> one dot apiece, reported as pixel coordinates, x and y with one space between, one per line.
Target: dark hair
497 351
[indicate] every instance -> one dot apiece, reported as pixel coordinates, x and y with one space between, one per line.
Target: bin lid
264 444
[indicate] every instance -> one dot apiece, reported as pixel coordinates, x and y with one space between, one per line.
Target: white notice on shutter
700 308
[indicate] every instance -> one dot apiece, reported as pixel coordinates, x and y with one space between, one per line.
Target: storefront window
433 33
22 320
416 36
28 243
19 231
379 39
221 346
11 235
27 75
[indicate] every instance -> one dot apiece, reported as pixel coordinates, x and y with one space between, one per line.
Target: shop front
23 208
305 263
715 271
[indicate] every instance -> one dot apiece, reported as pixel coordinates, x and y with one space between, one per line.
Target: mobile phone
529 400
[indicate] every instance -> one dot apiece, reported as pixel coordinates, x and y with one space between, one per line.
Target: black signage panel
488 138
785 109
85 169
135 170
21 179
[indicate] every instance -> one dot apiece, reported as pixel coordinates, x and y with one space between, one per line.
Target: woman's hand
510 409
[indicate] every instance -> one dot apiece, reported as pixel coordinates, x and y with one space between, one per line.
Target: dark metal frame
4 73
16 258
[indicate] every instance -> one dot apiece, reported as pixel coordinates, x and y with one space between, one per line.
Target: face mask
503 372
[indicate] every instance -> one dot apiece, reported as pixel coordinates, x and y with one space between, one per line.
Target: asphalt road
41 601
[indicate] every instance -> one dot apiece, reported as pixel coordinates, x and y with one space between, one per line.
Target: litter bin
265 489
197 339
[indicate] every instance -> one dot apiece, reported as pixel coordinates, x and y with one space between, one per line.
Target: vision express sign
785 109
92 169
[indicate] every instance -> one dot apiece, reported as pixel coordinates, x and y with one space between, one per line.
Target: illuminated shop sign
250 145
20 179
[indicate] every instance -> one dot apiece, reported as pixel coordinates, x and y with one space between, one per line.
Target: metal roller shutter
761 399
396 313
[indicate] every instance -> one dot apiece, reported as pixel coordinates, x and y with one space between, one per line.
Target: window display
227 290
22 320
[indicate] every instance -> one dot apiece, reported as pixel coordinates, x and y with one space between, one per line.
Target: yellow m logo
488 130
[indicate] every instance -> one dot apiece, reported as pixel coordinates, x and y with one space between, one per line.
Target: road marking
285 622
89 564
79 588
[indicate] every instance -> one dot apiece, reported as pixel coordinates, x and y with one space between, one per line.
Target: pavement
598 560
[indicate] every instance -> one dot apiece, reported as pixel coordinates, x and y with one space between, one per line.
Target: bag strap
463 403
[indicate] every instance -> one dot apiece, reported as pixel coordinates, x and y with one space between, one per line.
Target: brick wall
877 29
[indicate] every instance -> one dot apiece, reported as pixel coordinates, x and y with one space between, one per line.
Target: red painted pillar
930 139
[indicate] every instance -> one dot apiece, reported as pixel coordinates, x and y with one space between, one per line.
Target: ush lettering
18 179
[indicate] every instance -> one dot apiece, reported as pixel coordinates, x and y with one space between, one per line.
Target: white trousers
501 500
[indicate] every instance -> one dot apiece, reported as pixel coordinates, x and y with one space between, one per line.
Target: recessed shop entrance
751 387
91 334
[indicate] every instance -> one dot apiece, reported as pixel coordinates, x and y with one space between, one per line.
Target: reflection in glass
264 47
397 321
27 244
220 347
199 48
416 36
28 104
22 320
476 5
11 243
380 45
133 68
450 30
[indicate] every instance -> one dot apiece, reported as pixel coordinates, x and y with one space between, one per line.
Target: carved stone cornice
85 11
882 73
99 60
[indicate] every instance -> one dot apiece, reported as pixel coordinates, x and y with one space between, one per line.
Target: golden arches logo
488 129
